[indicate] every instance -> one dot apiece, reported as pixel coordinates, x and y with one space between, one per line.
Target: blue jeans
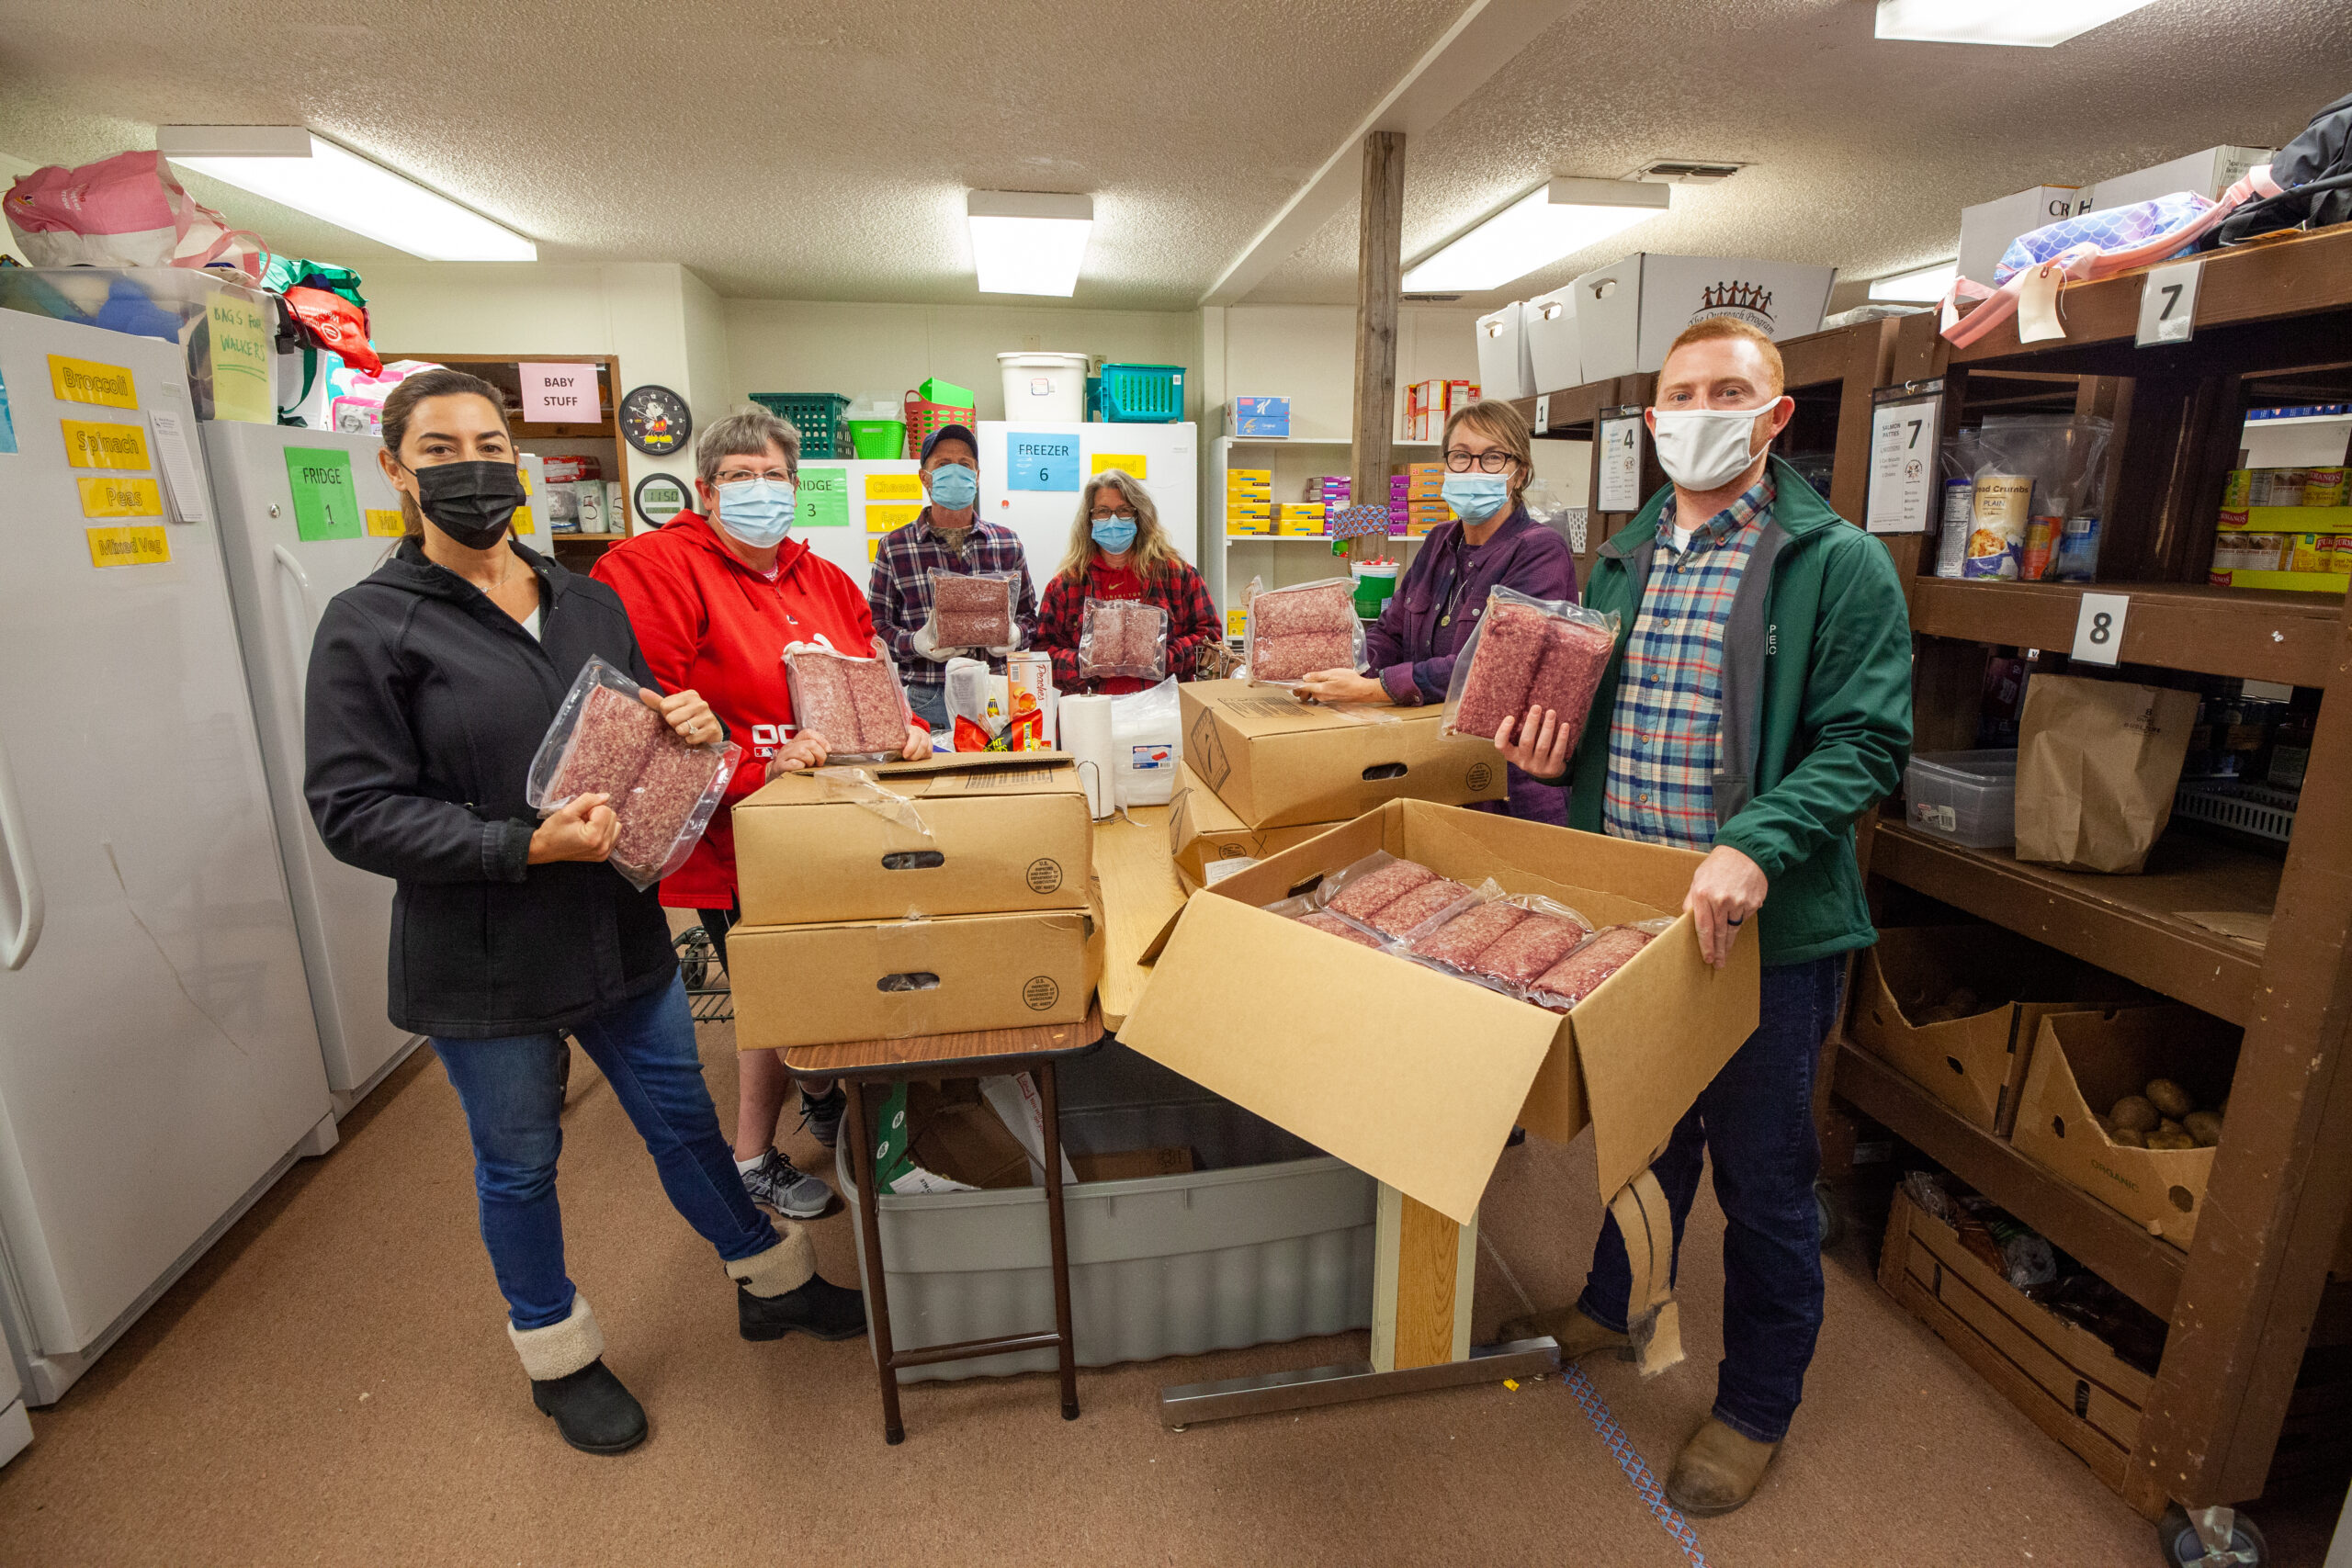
1756 1119
512 1093
930 703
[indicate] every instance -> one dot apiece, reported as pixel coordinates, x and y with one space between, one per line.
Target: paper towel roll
1086 736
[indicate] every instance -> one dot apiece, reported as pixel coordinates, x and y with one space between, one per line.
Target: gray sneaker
790 1192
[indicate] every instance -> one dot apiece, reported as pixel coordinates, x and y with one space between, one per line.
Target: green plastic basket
935 390
1139 394
816 415
878 437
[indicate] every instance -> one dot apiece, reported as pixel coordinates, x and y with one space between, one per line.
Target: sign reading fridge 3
1040 462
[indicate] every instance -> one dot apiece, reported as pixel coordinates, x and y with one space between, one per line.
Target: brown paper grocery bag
2098 764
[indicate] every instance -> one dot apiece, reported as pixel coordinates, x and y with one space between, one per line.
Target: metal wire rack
709 996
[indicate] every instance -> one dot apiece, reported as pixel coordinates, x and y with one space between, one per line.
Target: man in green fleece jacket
1759 702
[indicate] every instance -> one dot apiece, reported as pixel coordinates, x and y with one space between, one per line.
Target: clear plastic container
227 330
1969 798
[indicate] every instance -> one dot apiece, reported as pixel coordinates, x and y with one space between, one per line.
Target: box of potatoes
2127 1104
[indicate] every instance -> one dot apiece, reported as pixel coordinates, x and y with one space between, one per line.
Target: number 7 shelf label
2098 628
2168 303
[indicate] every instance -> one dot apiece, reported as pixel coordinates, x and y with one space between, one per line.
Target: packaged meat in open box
857 705
1296 631
1529 652
607 740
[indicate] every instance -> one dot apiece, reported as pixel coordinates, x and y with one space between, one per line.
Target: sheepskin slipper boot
1577 1334
571 1382
778 1291
1719 1469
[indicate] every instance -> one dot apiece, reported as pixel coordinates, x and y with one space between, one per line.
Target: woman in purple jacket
1490 542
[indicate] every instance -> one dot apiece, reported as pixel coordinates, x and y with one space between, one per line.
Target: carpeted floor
332 1385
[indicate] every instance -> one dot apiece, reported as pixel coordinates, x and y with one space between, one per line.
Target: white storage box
1548 322
1969 798
1629 313
1504 369
1045 387
1986 228
2209 174
1269 1241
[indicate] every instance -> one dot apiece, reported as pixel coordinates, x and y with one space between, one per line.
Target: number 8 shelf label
2098 628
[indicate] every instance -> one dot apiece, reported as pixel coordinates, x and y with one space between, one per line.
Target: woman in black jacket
430 685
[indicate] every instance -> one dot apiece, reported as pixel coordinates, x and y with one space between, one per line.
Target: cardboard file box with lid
1555 353
1336 1043
968 834
2209 174
1202 831
1629 313
1277 761
1976 1063
1505 368
2085 1062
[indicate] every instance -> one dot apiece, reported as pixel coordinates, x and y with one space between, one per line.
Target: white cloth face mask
1702 449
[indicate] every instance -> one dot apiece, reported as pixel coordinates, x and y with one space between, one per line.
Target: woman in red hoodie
714 596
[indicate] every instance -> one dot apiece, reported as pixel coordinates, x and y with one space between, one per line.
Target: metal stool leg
863 1134
1050 1091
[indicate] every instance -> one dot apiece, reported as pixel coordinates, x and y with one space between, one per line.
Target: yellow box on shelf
2293 581
1297 518
2289 519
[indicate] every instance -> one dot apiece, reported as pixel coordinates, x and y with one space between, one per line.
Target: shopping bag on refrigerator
126 210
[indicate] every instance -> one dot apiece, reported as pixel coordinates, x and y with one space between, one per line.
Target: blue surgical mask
1116 534
954 486
758 513
1475 497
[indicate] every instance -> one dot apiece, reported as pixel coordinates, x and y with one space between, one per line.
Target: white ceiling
821 149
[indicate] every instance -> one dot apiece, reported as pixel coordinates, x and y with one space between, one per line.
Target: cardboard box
1986 228
2063 1377
1629 312
1341 1045
2209 174
818 984
2087 1061
1299 519
1005 833
1976 1065
1203 830
1503 360
1276 762
1262 407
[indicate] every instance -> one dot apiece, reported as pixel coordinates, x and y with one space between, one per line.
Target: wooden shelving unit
2244 1298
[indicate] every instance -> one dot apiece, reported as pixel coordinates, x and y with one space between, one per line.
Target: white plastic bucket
1045 387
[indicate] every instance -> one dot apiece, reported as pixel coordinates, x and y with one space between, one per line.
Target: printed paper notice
1620 464
561 394
90 444
139 546
176 458
1035 461
87 381
127 496
823 501
1131 462
326 502
241 352
894 487
1903 464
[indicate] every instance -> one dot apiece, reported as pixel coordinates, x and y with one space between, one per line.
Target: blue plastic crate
1139 394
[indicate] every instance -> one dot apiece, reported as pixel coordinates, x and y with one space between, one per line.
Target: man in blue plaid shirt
946 536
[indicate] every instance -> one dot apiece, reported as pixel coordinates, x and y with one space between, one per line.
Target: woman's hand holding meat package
584 827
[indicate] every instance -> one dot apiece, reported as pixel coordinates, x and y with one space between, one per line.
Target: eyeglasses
1460 461
737 476
1114 517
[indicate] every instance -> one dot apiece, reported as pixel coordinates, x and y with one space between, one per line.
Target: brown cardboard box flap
1276 762
970 765
1203 830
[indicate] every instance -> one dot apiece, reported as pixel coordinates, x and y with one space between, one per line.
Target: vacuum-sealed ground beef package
1403 917
1458 943
1364 889
1521 955
1123 637
857 705
1526 653
607 740
1580 973
972 610
1323 920
1294 631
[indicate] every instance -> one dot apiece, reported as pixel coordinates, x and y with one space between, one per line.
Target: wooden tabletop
1006 1049
1140 891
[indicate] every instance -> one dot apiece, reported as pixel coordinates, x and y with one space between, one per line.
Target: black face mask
471 502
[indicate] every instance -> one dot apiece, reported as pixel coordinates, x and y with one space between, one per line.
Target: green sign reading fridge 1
326 502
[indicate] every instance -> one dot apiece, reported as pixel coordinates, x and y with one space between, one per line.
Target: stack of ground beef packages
1296 631
622 748
1528 654
856 703
1123 637
973 611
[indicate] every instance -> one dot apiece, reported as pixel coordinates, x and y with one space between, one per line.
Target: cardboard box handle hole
1385 771
1299 889
1953 1063
2182 1199
908 980
2058 1125
913 859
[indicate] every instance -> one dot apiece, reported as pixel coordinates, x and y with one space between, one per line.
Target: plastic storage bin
1271 1242
1555 351
1138 394
922 418
1969 798
1043 387
229 331
876 437
818 417
1506 369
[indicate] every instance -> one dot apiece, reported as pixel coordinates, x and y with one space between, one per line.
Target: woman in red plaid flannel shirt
1118 550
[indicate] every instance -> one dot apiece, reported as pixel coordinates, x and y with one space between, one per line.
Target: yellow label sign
87 381
90 444
883 519
140 546
873 549
1131 461
523 522
242 335
386 523
894 487
121 498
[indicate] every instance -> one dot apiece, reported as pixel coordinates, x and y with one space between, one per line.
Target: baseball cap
951 432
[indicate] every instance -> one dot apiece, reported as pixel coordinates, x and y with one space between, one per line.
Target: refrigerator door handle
297 625
17 839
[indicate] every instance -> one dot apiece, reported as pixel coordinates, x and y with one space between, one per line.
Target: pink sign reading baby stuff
561 394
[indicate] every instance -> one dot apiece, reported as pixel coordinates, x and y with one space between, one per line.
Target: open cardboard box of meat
1416 1077
1277 761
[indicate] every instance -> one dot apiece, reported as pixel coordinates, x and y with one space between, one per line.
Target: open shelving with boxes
2247 1298
1273 558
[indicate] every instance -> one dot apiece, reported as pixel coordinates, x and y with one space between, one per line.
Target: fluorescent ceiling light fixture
294 168
1028 241
1924 286
1550 222
2030 24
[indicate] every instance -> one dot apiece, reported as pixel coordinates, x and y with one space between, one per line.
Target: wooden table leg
1048 1090
1423 1265
862 1134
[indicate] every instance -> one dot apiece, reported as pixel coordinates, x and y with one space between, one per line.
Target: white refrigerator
1031 475
159 1068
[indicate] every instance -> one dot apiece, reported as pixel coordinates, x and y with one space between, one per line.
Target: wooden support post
1422 1268
1380 275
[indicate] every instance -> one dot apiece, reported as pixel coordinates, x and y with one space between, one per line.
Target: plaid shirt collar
956 541
1751 504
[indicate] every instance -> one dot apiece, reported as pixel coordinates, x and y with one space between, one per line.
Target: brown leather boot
1576 1334
1718 1470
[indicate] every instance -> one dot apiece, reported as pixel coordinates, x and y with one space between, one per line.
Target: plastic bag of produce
1123 637
973 609
607 740
1528 652
857 705
1293 632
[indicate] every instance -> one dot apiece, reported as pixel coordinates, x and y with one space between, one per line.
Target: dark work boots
593 1411
827 1311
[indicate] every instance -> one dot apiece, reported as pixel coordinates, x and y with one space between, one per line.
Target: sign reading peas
1040 462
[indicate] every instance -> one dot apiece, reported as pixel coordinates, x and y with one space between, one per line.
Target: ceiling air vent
1428 299
1677 171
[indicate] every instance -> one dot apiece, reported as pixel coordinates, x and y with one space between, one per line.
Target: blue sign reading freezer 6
1041 462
